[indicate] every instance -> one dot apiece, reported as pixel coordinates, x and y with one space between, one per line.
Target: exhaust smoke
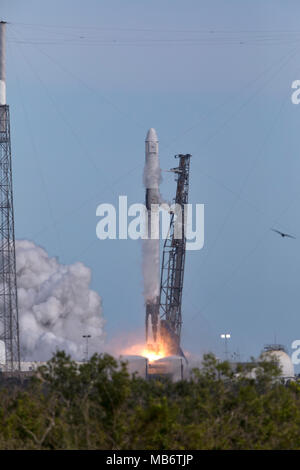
56 305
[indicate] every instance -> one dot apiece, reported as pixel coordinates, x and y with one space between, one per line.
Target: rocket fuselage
152 169
151 244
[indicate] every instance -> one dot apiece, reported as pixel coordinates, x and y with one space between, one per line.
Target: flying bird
283 234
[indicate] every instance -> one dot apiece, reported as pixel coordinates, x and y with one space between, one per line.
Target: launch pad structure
9 324
173 263
166 316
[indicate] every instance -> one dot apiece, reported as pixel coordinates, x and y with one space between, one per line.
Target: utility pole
86 337
9 322
226 336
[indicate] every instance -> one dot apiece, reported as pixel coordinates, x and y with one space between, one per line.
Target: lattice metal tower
9 325
173 262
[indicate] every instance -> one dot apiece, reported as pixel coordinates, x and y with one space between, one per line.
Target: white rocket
151 266
152 169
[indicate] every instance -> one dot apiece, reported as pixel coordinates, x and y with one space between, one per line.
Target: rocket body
151 267
152 176
152 169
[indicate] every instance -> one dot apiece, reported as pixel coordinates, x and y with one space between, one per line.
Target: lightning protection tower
9 325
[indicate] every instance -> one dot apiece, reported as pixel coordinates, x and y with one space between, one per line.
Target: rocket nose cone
151 135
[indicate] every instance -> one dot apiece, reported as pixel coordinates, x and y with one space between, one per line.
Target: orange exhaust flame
150 352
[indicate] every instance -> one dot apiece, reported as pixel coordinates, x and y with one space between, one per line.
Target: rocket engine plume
150 249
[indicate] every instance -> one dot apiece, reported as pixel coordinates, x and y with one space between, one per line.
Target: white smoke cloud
56 305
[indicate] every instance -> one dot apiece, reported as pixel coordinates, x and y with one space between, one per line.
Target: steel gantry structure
9 324
173 262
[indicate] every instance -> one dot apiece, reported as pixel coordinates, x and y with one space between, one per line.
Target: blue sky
85 81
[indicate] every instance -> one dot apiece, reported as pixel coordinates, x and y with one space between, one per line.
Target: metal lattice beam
173 262
9 325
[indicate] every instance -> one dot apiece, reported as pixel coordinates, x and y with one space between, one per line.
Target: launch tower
173 261
9 327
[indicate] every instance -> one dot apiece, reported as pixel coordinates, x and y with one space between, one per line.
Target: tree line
99 405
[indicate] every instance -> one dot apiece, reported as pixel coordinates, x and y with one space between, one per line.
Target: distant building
278 352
